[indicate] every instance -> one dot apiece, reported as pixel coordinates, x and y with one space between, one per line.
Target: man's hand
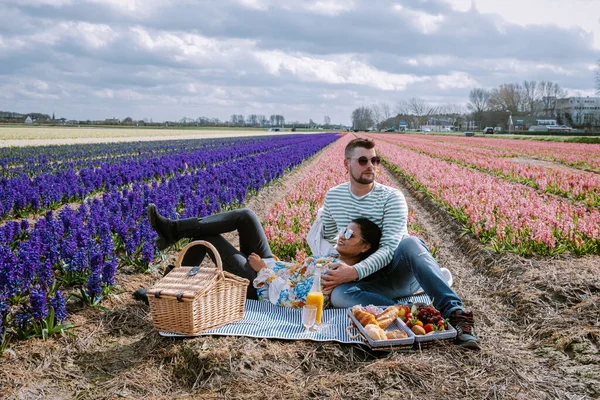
339 273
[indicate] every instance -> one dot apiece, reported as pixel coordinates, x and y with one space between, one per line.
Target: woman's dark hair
370 233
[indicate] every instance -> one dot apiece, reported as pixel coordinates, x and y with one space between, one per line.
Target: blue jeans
412 266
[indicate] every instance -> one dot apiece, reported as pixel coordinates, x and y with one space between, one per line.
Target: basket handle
206 244
352 336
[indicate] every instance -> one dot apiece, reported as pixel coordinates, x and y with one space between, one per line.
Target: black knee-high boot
169 231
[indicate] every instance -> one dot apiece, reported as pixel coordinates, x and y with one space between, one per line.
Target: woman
352 247
288 284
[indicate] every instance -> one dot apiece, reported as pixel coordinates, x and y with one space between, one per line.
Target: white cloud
456 80
424 22
331 7
39 3
340 70
577 14
254 4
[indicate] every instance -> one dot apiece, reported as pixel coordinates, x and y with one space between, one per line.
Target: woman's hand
338 273
256 262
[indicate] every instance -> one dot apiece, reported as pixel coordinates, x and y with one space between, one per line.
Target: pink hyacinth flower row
579 155
509 216
571 183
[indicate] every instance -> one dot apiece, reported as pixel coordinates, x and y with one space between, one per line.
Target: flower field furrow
22 196
78 250
577 185
578 155
508 216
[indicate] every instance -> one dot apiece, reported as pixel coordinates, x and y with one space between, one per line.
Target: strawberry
428 328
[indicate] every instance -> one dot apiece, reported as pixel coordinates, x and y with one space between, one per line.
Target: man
402 263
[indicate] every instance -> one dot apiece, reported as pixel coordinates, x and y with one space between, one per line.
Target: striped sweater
384 205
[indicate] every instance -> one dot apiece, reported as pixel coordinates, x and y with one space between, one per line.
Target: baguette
387 317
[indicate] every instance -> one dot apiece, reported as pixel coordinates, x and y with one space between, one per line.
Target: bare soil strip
520 305
43 136
549 164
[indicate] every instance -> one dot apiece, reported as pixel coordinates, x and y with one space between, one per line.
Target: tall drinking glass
309 316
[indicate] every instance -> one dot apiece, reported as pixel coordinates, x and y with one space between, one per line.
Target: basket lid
185 283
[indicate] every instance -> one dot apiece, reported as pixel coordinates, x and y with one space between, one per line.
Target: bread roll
365 318
396 334
375 332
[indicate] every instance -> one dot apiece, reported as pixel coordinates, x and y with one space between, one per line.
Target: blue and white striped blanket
265 320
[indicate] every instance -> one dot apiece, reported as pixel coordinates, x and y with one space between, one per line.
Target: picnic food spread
375 322
421 319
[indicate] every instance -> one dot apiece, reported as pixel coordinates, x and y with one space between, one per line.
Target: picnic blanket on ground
265 320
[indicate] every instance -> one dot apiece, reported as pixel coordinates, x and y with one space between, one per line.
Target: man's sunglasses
362 161
347 233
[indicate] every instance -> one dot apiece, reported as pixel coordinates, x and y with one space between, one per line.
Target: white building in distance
579 111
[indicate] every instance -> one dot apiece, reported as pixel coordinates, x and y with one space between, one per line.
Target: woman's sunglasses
362 161
347 233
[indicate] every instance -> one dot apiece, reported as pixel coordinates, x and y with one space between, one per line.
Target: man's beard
362 180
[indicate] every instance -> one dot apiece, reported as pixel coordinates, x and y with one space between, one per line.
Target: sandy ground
42 136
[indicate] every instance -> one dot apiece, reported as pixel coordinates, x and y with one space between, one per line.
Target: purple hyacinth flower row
90 241
48 184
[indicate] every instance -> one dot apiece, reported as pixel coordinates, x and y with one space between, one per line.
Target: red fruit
428 328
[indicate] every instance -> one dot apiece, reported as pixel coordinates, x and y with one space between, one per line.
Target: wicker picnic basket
190 300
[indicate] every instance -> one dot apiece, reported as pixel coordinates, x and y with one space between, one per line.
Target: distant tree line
236 120
485 108
414 112
530 98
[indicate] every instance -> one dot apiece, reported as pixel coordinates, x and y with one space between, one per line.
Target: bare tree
277 120
402 107
417 106
252 119
376 116
453 109
386 112
478 100
507 97
550 92
530 96
478 104
421 111
362 118
326 121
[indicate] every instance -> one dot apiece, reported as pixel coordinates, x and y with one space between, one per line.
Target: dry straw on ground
538 319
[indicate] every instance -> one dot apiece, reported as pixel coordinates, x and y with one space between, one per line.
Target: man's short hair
358 142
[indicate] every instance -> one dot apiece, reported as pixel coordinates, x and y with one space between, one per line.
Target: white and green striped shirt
383 205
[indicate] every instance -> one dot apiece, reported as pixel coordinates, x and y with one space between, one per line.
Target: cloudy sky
166 59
